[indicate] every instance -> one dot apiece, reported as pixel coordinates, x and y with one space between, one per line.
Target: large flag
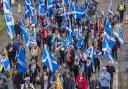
24 31
119 35
49 60
21 60
9 21
109 56
6 7
5 62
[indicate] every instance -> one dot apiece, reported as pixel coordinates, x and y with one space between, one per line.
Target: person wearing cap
104 79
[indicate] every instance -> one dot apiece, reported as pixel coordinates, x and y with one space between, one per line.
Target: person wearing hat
104 79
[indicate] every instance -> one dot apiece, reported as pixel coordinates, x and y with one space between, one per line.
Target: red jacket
44 33
81 83
41 19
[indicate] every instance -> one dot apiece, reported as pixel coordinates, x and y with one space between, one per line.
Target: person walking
104 79
121 9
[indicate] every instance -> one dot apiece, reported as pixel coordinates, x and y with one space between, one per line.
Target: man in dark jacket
17 29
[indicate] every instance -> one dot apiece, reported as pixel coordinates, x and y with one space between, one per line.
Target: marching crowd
69 38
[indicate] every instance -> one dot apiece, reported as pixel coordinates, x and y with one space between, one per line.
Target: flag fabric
108 29
41 7
26 12
74 10
30 7
49 4
6 7
69 40
119 35
22 61
106 49
68 2
9 21
80 43
6 64
24 31
110 9
109 56
49 60
98 53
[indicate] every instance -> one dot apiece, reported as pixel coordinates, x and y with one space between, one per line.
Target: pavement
120 78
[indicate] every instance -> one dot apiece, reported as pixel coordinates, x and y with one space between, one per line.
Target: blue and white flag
27 13
119 35
80 43
68 2
9 21
49 60
106 48
108 29
30 7
41 7
49 4
110 9
5 62
24 31
6 7
109 56
22 61
69 40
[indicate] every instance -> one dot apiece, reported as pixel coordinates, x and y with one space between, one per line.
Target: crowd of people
67 37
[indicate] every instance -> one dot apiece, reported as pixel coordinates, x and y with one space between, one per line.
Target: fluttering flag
22 61
9 21
6 64
41 7
24 31
6 7
80 43
119 35
49 4
49 60
30 7
107 49
110 9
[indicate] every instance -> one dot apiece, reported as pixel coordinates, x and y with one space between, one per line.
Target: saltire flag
98 53
88 53
49 4
80 43
30 7
110 9
68 2
22 61
41 7
69 40
6 64
9 21
49 60
74 10
109 56
119 35
27 13
107 49
108 29
24 32
7 7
